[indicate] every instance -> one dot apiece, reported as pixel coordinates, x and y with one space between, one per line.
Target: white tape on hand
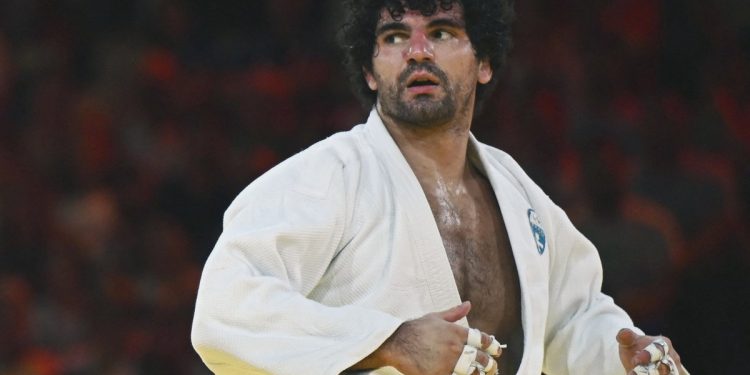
655 353
664 346
465 363
495 346
670 363
651 369
491 367
475 338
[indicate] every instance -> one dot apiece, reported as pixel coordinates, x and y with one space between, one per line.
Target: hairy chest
476 243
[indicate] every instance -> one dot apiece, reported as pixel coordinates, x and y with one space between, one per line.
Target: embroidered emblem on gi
536 229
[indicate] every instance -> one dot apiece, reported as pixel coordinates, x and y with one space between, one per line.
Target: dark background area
127 127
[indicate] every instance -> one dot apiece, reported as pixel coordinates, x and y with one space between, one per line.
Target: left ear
371 82
484 73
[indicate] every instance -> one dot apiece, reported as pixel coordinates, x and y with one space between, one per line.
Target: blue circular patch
536 229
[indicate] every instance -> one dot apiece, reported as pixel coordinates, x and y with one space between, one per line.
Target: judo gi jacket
325 255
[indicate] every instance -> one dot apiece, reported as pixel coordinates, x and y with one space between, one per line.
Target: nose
420 48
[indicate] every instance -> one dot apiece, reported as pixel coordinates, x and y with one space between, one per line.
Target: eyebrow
446 22
391 26
400 26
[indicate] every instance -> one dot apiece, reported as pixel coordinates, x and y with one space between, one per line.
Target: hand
431 344
635 358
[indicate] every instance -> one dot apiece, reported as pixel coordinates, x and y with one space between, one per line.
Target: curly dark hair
487 25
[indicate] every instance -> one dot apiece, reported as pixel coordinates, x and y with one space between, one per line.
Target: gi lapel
532 264
431 262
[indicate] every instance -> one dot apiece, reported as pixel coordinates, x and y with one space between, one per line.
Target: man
355 253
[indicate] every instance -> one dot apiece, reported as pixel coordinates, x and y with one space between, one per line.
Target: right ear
371 82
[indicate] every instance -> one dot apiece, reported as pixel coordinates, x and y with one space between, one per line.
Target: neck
437 152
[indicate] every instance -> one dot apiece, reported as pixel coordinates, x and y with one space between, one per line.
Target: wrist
385 355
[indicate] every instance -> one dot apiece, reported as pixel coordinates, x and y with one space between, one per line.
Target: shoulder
311 169
319 172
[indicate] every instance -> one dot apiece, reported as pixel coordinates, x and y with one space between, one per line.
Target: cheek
383 76
386 62
461 65
462 75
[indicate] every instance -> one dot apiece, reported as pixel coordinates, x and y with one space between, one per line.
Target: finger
474 338
645 370
670 347
492 367
455 313
478 370
642 357
678 362
488 365
670 367
466 360
627 338
478 339
495 348
656 351
675 357
483 359
487 341
663 369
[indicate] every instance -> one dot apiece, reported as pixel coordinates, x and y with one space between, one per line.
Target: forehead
455 13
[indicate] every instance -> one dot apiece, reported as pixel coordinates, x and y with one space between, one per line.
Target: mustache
422 66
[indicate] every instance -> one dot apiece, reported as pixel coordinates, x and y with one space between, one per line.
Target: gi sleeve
583 322
280 235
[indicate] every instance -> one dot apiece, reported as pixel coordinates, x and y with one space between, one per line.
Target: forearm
261 321
382 356
281 336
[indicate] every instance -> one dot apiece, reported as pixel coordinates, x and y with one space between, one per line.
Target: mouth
422 79
422 83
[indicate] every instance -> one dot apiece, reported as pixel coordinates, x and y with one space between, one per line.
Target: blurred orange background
126 128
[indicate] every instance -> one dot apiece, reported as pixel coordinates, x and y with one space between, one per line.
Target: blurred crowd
126 128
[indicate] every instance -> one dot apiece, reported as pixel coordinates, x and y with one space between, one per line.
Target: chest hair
476 243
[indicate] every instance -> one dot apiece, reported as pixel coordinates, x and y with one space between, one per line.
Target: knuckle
455 348
460 332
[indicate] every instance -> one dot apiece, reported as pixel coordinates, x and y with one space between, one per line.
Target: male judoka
355 254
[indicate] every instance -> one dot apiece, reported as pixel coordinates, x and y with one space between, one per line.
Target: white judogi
324 256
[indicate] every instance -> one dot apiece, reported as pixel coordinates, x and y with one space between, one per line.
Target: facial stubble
422 110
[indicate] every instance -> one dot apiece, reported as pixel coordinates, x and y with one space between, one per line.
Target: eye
394 38
442 35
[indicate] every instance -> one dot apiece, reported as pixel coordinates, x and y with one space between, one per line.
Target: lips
422 79
422 83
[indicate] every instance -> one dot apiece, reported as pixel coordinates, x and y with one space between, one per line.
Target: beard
423 110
